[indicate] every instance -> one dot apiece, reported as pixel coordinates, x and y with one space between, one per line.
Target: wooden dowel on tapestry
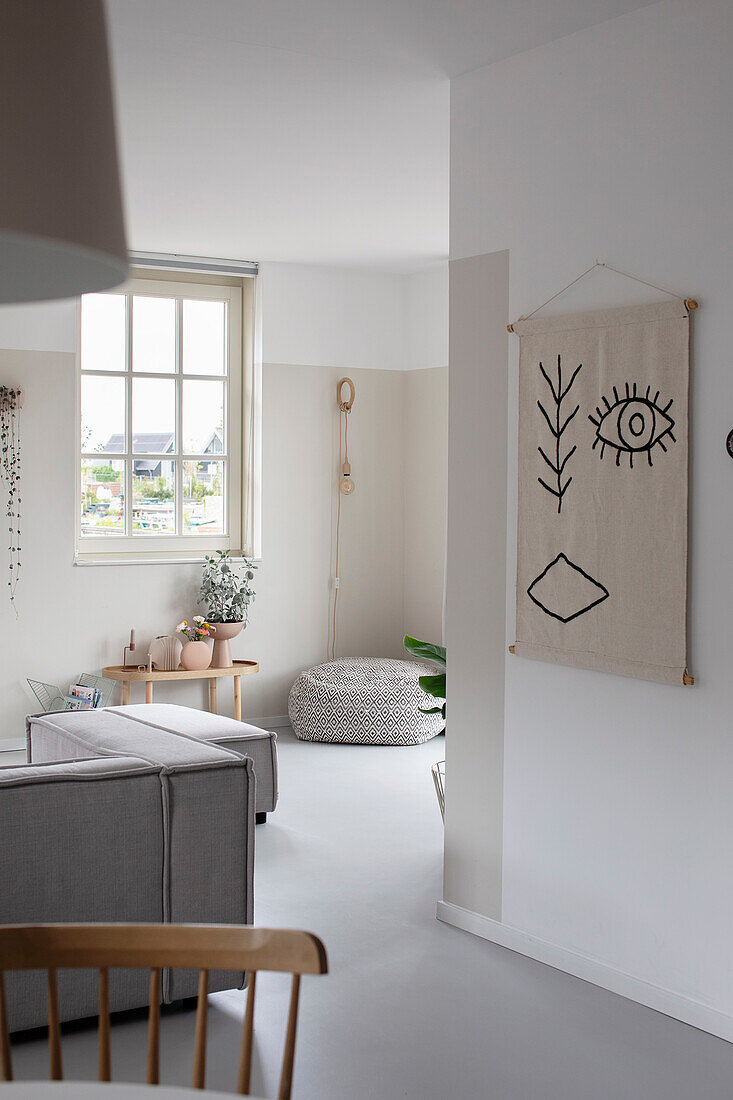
687 680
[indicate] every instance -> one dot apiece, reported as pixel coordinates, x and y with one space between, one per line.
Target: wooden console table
129 676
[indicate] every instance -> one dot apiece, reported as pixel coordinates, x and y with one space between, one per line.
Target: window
160 421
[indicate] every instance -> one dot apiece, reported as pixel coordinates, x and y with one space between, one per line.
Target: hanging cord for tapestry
344 408
690 303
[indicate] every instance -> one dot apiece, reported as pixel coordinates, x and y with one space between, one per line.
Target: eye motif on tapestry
602 504
633 424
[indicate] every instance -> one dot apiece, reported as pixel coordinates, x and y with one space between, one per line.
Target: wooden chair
203 947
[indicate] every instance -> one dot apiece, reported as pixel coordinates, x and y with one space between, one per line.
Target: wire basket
438 773
52 697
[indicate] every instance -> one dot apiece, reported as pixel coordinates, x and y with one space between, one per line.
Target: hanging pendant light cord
343 432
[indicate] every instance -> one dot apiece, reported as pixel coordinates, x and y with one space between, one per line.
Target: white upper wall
39 326
312 316
618 820
320 316
426 318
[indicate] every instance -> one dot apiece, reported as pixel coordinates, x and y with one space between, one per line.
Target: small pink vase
195 656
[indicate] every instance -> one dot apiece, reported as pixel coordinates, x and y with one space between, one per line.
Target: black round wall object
729 443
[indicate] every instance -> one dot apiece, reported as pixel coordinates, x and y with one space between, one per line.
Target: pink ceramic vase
222 633
195 656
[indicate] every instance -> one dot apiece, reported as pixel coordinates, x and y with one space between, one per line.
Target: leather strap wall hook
345 406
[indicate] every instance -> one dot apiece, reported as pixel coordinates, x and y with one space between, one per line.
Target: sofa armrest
82 841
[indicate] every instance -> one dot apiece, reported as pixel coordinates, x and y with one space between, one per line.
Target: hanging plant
11 401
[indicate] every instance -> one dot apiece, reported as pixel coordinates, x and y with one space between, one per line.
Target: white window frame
150 547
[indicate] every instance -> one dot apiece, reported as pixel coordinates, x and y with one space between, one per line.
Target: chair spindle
245 1061
54 1027
154 1029
199 948
199 1056
6 1061
286 1078
105 1053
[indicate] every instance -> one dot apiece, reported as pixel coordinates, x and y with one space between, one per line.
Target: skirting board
12 744
662 1000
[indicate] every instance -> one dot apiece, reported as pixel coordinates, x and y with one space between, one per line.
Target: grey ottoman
364 700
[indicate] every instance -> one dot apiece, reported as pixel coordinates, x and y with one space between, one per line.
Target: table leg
125 692
212 695
238 698
148 691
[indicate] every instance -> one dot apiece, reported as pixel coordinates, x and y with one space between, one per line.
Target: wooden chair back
201 947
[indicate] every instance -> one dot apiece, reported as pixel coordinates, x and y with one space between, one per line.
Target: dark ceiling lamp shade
61 226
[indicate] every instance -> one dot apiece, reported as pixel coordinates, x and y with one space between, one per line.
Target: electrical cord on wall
345 488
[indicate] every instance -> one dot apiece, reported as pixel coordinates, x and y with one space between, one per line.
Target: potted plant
195 654
432 685
227 594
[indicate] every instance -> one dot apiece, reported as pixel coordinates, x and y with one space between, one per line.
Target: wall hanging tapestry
602 522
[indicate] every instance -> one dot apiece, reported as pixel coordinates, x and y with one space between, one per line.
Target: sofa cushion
106 732
239 737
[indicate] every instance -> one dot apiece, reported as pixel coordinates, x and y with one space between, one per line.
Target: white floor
411 1008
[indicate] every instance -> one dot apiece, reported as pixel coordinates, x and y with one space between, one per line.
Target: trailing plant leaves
10 470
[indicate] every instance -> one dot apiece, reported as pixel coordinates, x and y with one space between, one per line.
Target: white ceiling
312 132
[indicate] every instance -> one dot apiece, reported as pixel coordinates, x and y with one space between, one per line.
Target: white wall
332 317
618 819
476 597
342 317
323 324
426 317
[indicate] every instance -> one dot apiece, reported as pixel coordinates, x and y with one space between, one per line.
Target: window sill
87 562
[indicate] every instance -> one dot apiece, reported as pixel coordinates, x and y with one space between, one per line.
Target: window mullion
128 417
179 418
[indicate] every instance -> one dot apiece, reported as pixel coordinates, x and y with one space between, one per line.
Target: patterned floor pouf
365 700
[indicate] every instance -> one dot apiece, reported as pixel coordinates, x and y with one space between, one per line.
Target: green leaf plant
226 591
432 685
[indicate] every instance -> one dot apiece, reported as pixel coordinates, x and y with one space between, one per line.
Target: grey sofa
62 740
135 823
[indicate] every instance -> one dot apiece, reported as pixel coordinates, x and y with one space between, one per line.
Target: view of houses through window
154 395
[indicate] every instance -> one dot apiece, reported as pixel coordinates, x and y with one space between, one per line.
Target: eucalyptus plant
225 590
433 685
10 469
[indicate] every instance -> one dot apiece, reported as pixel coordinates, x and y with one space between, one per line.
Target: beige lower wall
72 619
425 499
